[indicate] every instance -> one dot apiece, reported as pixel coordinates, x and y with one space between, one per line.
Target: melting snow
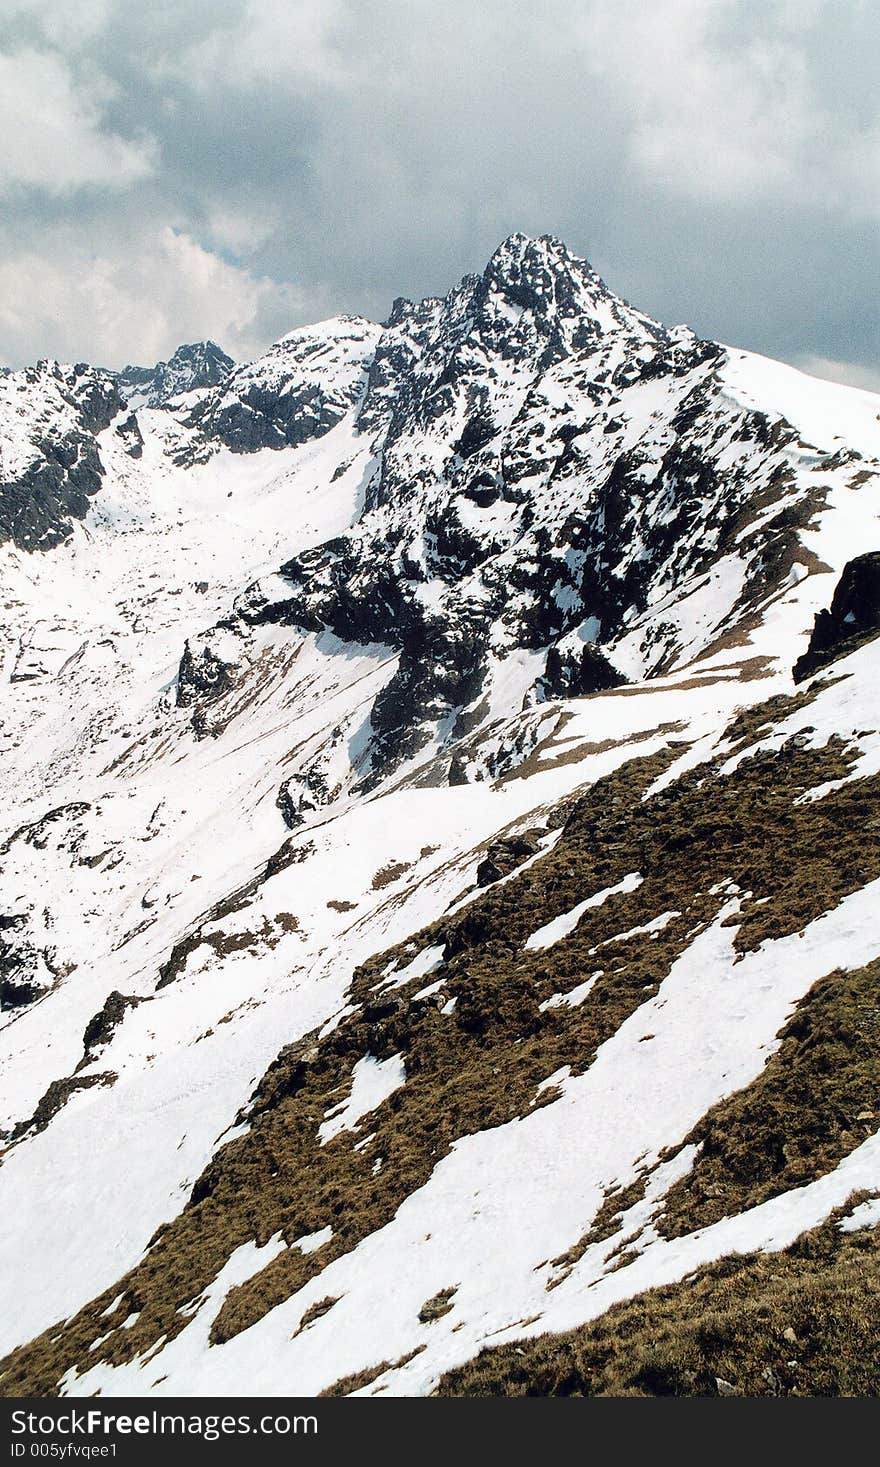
866 1215
656 924
311 1242
573 997
560 927
372 1081
427 961
505 1201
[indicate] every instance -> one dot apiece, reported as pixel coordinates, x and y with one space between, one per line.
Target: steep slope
562 496
49 462
419 851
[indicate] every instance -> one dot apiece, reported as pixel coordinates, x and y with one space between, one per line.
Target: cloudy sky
176 169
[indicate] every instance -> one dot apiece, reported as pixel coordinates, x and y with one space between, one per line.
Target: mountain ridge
417 840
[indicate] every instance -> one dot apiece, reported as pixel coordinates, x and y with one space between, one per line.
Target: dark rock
130 432
99 1030
854 616
40 502
301 795
201 675
573 675
196 365
56 1097
503 856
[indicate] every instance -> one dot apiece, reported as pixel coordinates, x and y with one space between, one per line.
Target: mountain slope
417 834
49 460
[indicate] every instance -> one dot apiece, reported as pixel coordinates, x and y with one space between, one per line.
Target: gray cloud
235 167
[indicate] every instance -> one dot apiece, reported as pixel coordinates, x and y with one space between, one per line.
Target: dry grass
817 1099
435 1307
387 875
805 1322
316 1311
480 1066
350 1383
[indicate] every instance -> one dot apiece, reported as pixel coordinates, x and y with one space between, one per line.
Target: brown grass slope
817 1098
805 1322
480 1065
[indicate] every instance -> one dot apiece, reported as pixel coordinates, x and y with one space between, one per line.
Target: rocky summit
438 953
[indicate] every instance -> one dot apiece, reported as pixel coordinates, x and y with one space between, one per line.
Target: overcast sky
176 169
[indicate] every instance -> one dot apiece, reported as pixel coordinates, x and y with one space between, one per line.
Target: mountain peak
206 350
192 365
518 244
485 820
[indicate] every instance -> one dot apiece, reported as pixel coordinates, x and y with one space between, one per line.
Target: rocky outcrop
202 676
503 856
31 959
129 433
853 617
572 674
300 389
50 465
102 1025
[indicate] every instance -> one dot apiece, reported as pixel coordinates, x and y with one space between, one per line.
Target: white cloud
850 373
241 231
720 104
62 22
51 130
135 302
707 117
719 159
270 40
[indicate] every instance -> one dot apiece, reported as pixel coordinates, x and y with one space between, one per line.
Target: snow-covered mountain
198 364
440 762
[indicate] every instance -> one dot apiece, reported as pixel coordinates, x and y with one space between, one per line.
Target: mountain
199 364
50 465
441 763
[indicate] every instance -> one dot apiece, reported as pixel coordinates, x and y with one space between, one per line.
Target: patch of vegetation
351 1383
316 1311
438 1305
222 944
605 1225
480 1065
387 875
816 1100
56 1097
805 1322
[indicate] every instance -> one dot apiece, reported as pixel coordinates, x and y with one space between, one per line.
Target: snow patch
553 932
372 1081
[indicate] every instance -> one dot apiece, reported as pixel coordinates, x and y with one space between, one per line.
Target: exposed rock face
503 856
100 1028
50 466
300 389
546 464
196 365
854 615
570 675
202 675
18 982
31 958
130 434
